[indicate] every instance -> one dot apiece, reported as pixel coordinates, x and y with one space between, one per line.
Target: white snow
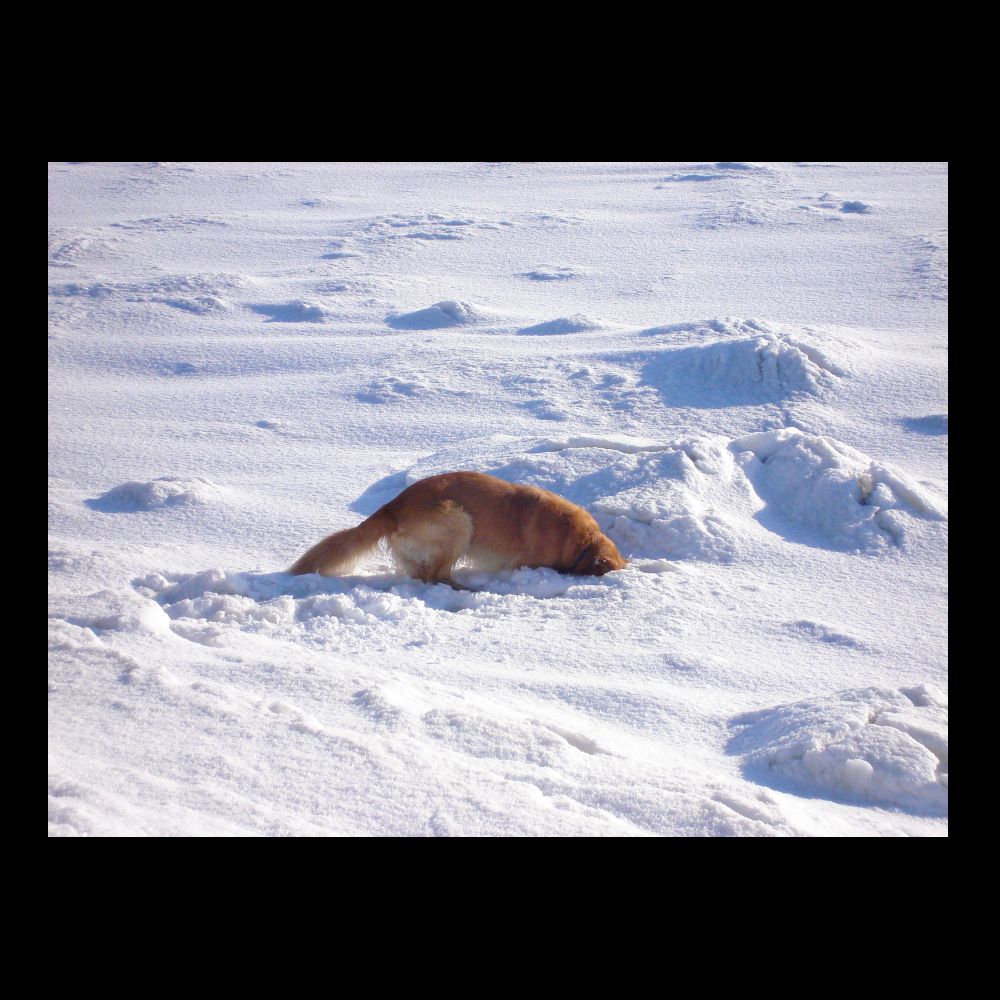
167 491
577 323
440 314
873 745
842 495
739 369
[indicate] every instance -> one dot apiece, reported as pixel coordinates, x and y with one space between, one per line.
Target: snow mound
686 499
551 273
168 491
116 611
832 490
873 745
296 311
762 369
437 316
577 323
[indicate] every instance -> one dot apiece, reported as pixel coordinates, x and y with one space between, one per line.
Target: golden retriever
490 523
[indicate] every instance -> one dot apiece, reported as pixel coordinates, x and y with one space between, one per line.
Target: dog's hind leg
426 545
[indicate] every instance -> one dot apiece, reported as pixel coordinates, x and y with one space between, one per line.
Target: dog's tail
338 552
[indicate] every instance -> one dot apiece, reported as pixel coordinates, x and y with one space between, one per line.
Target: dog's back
489 522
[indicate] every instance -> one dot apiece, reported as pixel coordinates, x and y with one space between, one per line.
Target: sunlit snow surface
739 369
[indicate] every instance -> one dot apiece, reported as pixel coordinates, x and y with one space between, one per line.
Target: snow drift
848 499
870 745
167 491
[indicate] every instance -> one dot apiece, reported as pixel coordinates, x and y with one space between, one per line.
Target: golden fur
490 523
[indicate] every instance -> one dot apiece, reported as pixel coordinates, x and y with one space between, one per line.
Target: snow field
246 357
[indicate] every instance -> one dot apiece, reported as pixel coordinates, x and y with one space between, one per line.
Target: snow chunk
848 498
441 314
168 491
872 745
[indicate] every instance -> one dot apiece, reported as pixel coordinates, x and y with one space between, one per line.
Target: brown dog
491 523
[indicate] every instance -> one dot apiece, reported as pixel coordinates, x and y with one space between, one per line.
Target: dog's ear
583 562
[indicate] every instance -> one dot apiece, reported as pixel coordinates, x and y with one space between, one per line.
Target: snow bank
168 491
748 371
847 498
871 745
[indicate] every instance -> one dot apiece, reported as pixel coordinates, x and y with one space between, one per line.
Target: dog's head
598 558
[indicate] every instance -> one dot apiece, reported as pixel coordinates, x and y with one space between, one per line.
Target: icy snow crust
245 357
